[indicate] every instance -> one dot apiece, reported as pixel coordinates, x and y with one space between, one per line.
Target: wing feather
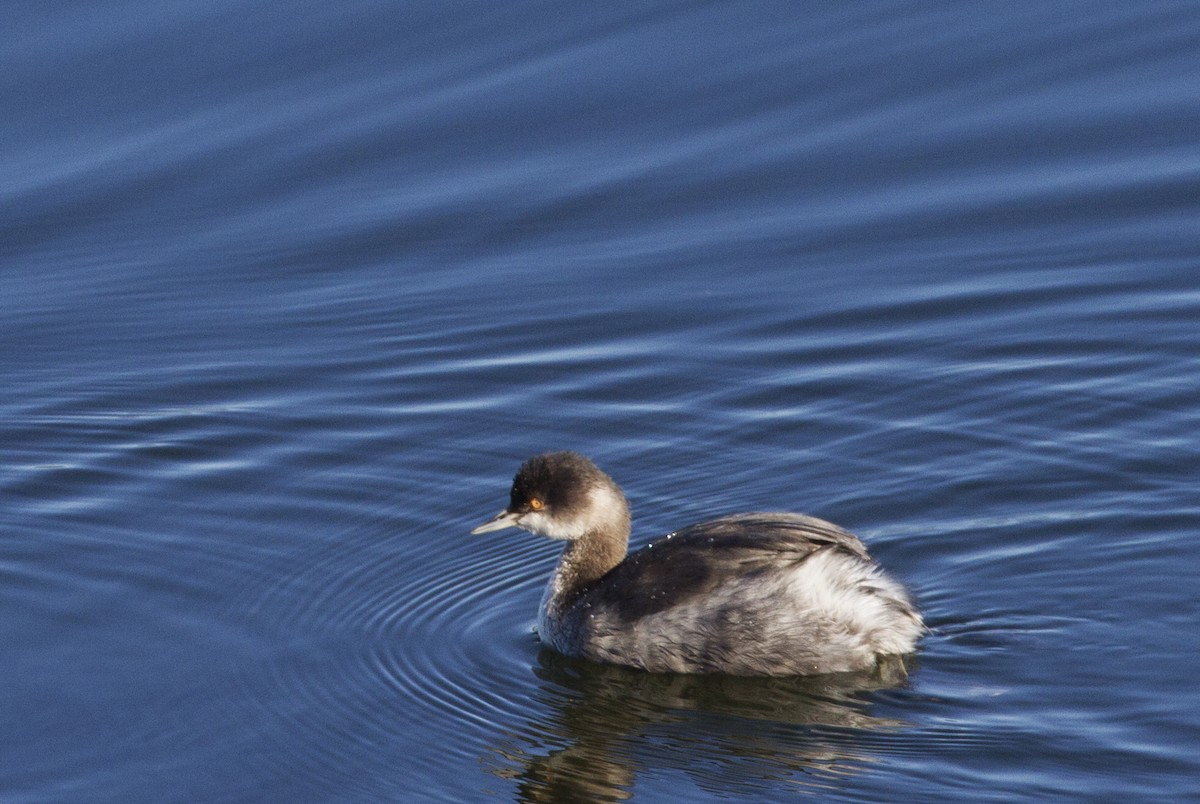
693 561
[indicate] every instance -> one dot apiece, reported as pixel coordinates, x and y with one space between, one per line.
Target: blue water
289 291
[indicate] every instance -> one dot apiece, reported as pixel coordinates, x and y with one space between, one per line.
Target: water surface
289 293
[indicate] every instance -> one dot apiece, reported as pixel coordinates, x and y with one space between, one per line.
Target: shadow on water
606 726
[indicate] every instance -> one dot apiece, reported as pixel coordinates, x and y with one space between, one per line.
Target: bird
752 594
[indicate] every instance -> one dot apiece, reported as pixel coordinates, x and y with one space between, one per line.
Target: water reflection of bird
610 724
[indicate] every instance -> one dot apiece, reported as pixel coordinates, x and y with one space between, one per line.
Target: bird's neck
583 562
601 546
587 559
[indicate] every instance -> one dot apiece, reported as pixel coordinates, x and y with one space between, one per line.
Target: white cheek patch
554 527
607 509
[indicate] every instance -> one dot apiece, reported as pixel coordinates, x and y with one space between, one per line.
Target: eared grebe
765 594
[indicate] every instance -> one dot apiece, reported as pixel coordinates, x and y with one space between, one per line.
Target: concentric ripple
371 661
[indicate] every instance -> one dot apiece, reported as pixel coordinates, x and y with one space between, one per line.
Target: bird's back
750 594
